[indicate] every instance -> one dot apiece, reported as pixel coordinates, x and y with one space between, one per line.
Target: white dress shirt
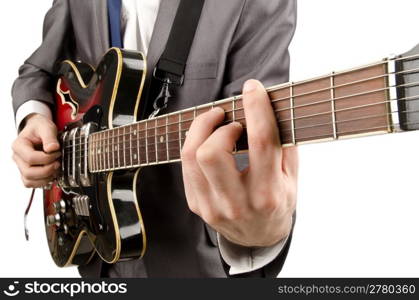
137 23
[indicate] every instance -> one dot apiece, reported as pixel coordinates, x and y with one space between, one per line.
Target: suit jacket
235 40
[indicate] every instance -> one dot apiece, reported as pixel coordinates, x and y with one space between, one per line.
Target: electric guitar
93 206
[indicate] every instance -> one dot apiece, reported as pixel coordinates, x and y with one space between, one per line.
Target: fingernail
249 86
220 109
51 147
237 124
52 144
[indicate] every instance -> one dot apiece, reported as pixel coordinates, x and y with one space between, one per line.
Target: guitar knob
60 206
53 220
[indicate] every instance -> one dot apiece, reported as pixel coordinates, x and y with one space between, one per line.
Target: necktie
114 15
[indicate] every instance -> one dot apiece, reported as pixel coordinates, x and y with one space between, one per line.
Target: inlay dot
135 156
161 139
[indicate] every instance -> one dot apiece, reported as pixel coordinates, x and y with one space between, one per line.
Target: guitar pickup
72 159
83 161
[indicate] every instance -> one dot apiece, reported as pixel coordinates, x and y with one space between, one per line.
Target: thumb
48 136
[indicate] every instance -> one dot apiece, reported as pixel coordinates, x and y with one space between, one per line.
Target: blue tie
114 15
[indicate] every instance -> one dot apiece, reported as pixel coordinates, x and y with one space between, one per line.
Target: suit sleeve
35 80
259 50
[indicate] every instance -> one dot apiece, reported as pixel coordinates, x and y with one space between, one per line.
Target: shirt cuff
30 107
243 259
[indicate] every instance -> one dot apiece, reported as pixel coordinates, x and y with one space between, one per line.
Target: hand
36 150
253 207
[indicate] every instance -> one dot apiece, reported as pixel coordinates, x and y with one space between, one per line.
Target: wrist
264 237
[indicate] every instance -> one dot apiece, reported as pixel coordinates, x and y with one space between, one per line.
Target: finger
201 128
36 172
217 161
47 133
290 161
36 183
26 151
262 131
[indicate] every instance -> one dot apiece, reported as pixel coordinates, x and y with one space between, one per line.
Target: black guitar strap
170 69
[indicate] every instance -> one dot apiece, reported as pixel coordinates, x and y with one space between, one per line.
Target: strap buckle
168 77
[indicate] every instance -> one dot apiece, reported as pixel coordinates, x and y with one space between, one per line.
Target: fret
146 142
312 99
161 138
172 140
130 145
112 132
332 102
103 149
361 95
141 143
108 150
99 151
155 140
95 151
180 131
293 133
233 108
123 146
118 145
167 138
133 144
152 145
138 144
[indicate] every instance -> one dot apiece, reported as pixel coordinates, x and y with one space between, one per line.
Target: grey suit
235 40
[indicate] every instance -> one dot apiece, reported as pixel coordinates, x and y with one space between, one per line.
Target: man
249 201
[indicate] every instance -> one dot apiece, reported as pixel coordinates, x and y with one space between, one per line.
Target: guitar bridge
81 205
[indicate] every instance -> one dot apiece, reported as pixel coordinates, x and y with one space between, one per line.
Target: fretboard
339 105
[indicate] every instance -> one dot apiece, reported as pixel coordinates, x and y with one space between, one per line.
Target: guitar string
129 126
311 138
143 145
154 130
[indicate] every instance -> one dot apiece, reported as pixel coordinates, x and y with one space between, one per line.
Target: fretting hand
253 207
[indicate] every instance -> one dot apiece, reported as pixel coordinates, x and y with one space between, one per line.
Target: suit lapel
164 21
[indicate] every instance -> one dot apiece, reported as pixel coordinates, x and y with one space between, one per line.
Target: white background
358 203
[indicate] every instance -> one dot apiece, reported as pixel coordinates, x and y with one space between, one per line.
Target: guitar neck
346 104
